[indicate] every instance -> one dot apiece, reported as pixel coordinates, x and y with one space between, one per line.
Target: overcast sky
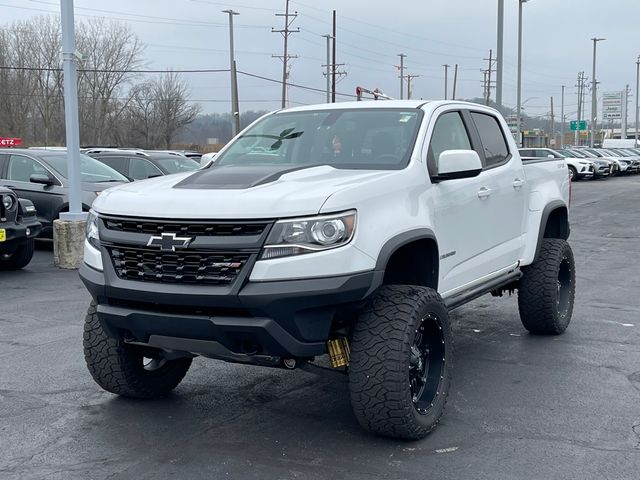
193 34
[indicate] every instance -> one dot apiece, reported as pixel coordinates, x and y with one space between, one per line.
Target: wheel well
415 263
557 224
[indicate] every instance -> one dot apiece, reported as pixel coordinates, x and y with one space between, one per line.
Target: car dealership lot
520 406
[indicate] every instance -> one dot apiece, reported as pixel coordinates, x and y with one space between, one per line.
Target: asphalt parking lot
521 407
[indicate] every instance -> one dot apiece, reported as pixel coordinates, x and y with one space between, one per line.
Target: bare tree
110 50
113 107
172 104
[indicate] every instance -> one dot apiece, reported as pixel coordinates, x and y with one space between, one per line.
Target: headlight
92 232
9 202
306 235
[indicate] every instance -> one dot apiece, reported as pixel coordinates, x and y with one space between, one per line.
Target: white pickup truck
349 230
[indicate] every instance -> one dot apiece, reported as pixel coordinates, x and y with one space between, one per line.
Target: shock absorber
339 353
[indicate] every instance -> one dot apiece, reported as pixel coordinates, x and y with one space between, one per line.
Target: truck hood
230 192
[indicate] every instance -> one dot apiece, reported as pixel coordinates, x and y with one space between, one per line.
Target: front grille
208 229
192 267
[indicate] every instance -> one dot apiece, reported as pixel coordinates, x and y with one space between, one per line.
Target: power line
99 70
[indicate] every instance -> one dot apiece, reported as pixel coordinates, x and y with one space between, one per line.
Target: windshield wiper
287 134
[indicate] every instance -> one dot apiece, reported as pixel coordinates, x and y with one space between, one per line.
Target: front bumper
17 232
289 318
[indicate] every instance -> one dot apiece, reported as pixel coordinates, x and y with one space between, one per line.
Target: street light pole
235 107
500 54
637 92
519 96
69 57
594 93
562 119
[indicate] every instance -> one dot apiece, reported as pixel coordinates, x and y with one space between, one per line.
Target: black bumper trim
283 318
17 232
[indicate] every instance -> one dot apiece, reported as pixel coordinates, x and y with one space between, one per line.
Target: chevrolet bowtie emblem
168 242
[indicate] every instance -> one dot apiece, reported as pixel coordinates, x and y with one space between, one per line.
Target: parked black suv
18 228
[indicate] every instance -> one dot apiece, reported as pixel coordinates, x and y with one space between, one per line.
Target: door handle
484 192
517 183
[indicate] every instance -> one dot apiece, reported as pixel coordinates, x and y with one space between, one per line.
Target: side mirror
452 164
42 179
550 156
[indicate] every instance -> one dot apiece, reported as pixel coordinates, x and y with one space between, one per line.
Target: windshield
373 138
567 153
176 164
91 170
578 154
610 153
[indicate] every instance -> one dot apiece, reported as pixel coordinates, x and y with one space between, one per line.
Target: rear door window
494 145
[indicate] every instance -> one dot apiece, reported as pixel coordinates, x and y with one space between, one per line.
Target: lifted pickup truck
18 229
349 230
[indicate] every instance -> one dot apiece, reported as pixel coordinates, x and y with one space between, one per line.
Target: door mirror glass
453 164
41 178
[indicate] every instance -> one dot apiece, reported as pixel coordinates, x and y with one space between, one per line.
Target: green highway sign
575 126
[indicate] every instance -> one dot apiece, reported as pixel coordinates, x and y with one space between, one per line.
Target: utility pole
562 119
402 67
490 71
637 97
286 31
328 66
625 117
409 78
487 78
499 58
69 58
455 81
581 90
446 79
485 98
553 127
235 107
594 89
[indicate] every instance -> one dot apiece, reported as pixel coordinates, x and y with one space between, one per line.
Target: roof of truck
391 104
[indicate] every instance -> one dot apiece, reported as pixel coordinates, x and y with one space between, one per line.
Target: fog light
28 232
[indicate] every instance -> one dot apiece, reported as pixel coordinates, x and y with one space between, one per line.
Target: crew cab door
460 216
478 221
504 177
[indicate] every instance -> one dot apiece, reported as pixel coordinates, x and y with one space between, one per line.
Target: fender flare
396 242
546 213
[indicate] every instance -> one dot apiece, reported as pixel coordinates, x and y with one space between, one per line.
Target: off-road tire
381 350
573 174
118 367
545 305
20 258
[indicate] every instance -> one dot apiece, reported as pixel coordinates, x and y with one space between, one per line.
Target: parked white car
579 168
